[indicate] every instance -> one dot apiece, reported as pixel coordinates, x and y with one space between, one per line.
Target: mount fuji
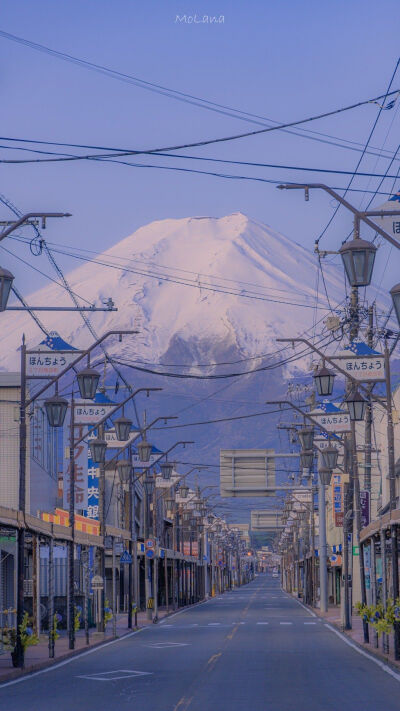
208 296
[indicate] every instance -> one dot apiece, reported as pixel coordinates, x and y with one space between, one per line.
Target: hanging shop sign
389 223
332 418
90 413
50 357
361 362
114 443
364 506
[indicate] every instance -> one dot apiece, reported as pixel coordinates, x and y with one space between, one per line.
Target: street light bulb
324 380
88 380
358 258
98 449
356 405
56 408
122 428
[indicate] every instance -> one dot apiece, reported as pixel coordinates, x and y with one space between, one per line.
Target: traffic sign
125 558
150 553
97 582
149 543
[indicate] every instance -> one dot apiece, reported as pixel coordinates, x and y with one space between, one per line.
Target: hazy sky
282 60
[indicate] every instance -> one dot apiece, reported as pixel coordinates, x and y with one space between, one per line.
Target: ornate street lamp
98 449
88 380
323 379
395 294
122 428
325 476
124 467
358 258
56 408
6 280
166 470
149 484
169 502
183 491
306 437
144 450
210 519
356 405
329 457
306 459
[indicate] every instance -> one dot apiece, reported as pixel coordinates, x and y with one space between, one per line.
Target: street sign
389 223
149 553
332 418
149 543
361 362
90 413
356 550
126 558
97 582
114 443
48 363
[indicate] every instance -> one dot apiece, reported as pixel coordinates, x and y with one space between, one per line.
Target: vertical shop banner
92 510
81 467
337 499
364 506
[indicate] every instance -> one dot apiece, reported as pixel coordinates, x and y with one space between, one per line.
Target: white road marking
263 623
286 623
213 624
114 675
376 661
310 623
167 645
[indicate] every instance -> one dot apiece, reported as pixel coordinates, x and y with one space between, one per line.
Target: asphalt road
253 649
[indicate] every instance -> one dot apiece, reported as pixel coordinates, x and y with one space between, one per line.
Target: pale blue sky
283 60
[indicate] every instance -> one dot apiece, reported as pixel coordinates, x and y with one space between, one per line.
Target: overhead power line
209 141
185 97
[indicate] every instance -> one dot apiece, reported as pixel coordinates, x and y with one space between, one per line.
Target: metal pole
368 415
19 650
156 556
392 490
50 577
147 572
130 524
347 510
114 590
323 575
357 511
86 587
385 641
101 551
71 543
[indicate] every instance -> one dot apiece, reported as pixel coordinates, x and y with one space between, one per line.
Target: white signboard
114 443
333 421
389 223
144 465
90 413
166 483
362 368
47 363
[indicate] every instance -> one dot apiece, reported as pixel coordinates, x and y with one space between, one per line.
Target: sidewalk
356 634
37 657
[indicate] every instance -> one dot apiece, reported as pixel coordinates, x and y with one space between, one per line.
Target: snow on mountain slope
195 321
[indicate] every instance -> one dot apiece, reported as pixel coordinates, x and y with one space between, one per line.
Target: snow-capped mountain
197 289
